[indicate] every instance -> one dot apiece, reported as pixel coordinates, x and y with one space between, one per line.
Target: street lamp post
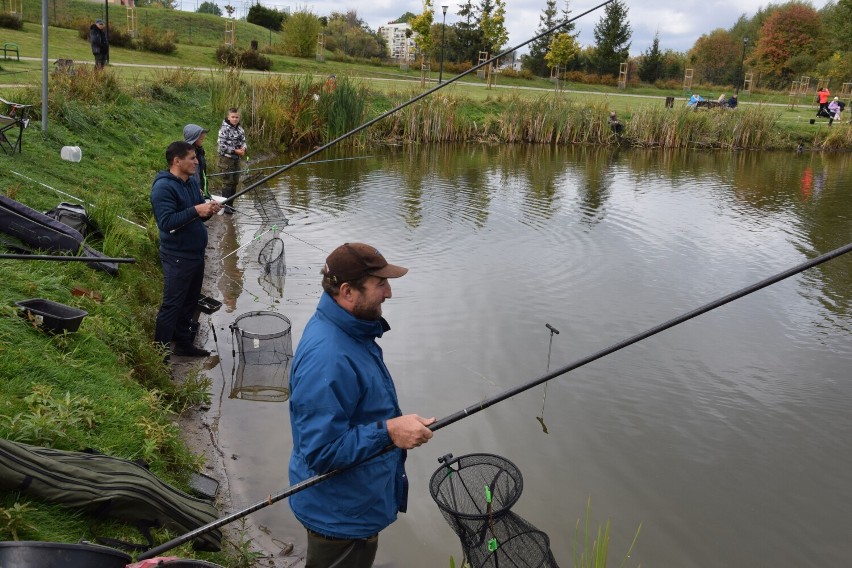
443 28
742 68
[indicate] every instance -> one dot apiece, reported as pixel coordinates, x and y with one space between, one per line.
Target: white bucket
71 153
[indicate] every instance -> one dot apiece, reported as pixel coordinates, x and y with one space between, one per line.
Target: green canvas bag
105 486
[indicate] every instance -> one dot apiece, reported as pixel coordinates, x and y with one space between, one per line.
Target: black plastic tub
35 554
52 317
208 305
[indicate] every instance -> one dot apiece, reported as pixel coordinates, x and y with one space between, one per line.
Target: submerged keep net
265 351
475 494
273 267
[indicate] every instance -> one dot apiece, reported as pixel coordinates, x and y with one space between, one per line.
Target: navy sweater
173 201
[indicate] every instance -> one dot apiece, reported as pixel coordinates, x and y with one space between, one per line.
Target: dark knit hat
99 21
351 261
192 132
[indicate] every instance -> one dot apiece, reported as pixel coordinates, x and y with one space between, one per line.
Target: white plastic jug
71 153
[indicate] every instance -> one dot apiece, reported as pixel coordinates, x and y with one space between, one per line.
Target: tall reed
746 127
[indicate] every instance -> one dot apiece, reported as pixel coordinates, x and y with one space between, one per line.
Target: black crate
52 317
208 305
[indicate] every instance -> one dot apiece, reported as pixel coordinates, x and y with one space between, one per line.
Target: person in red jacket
822 98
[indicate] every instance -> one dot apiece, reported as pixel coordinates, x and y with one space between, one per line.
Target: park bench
9 48
14 116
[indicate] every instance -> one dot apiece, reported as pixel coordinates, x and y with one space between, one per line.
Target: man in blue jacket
344 410
179 206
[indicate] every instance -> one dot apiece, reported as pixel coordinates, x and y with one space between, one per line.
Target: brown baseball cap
352 261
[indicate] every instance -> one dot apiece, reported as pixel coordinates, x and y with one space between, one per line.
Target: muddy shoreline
199 429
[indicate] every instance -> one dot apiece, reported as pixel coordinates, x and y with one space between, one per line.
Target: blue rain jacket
341 395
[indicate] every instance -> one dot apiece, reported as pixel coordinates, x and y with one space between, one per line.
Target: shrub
243 58
522 74
11 21
165 43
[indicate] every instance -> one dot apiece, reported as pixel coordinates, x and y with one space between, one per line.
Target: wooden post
687 80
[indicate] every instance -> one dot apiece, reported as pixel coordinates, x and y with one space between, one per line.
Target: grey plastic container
51 316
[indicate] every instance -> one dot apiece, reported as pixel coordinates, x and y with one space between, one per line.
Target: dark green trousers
324 552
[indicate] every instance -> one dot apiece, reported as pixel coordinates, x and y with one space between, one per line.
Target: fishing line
411 101
553 331
273 228
475 408
280 165
75 198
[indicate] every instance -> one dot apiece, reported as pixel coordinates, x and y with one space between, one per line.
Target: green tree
651 62
563 48
837 23
300 34
265 17
210 8
468 36
404 18
493 26
612 38
349 34
534 61
422 26
716 57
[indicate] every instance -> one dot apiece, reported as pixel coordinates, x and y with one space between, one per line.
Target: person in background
822 98
231 146
195 135
179 209
100 43
723 98
330 84
344 412
615 124
732 102
835 107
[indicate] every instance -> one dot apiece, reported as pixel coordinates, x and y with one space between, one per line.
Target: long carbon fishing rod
75 198
475 408
63 258
409 102
280 165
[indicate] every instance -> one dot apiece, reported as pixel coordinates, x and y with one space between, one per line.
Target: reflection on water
728 437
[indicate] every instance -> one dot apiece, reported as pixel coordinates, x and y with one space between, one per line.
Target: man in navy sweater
180 211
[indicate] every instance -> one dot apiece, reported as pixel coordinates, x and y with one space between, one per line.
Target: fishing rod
280 165
409 102
480 406
62 258
75 198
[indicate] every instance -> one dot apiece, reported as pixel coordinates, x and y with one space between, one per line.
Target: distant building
399 46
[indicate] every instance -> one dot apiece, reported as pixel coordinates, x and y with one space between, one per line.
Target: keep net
475 494
265 348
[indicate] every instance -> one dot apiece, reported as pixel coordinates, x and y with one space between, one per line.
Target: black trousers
325 552
182 279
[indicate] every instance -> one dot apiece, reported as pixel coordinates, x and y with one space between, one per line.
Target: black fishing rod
62 258
409 102
475 408
280 165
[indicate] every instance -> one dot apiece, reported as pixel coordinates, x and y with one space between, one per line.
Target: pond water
728 438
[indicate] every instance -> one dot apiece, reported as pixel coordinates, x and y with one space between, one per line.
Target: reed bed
432 119
751 127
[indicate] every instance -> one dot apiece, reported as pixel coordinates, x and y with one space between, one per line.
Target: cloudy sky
679 23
